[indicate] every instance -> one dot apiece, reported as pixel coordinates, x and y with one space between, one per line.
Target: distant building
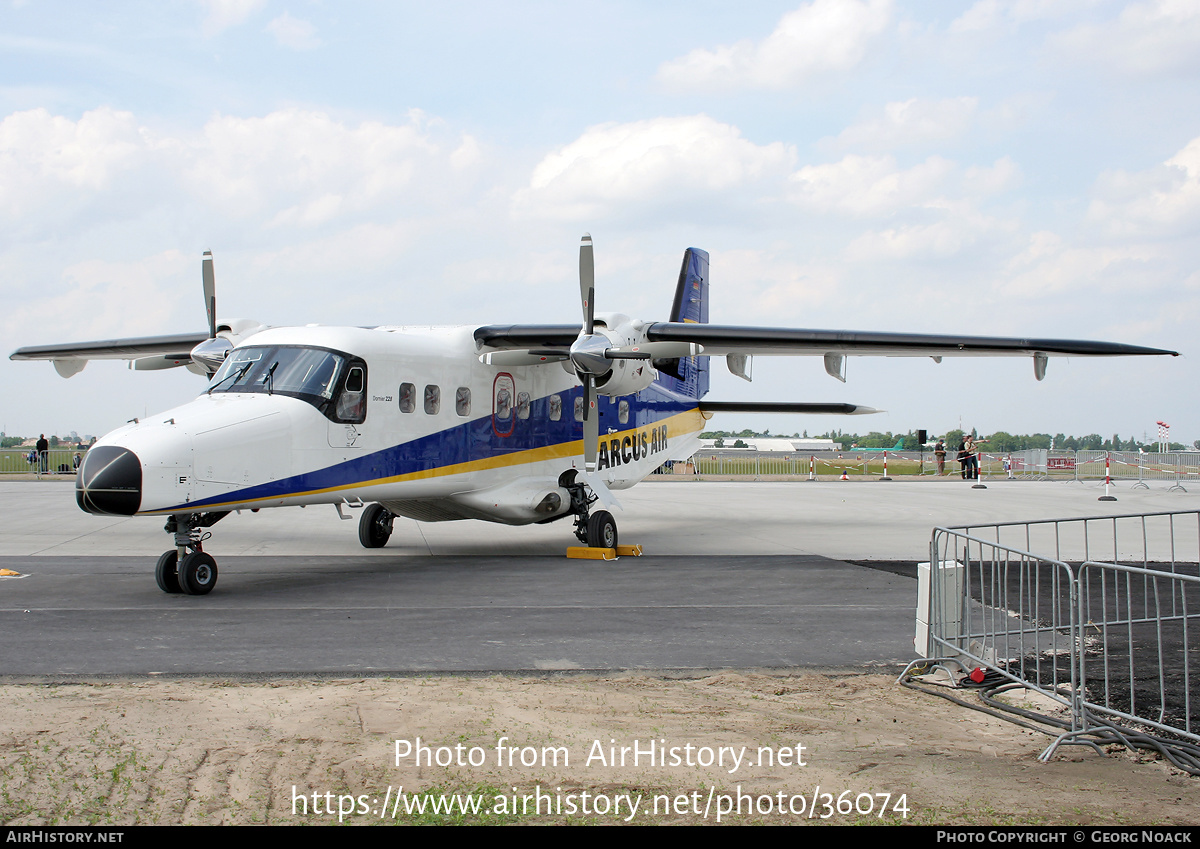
773 444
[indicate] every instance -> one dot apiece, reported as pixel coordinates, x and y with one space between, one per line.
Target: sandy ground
290 752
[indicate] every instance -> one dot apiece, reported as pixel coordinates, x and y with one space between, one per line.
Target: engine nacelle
626 376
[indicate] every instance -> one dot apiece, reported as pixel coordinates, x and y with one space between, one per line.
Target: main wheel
375 526
197 573
167 572
602 530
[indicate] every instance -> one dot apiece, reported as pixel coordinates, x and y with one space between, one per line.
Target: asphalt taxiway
736 574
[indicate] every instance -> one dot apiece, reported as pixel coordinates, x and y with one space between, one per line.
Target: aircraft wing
507 336
148 352
721 340
739 343
179 346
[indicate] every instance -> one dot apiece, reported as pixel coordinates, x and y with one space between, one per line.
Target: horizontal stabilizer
785 407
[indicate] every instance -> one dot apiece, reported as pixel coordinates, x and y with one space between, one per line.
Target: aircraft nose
109 481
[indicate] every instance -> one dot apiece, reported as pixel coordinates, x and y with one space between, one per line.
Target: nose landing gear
187 568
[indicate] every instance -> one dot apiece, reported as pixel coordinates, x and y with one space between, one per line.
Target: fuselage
405 416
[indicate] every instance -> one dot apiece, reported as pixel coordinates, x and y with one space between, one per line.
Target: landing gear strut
375 526
187 568
597 530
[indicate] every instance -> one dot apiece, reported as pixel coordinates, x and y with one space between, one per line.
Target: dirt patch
165 752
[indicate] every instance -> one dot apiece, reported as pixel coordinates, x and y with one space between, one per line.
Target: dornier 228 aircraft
513 424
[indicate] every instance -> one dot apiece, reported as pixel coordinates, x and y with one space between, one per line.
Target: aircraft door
346 425
504 402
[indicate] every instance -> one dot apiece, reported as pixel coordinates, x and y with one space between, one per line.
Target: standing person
939 451
971 464
43 452
962 458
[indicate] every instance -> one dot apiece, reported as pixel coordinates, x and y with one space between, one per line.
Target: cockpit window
310 374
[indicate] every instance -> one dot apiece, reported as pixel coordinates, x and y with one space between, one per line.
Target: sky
1026 168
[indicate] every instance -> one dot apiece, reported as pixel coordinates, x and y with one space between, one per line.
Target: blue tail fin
688 375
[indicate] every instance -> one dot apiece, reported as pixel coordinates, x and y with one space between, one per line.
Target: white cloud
1049 267
939 239
752 283
294 33
83 154
1153 37
297 167
915 121
662 160
875 186
819 37
993 14
52 167
292 158
1160 202
293 166
108 289
223 14
868 185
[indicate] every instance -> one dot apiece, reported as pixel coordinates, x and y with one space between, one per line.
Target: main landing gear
375 526
187 568
595 530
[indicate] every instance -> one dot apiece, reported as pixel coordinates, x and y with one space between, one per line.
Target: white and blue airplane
513 424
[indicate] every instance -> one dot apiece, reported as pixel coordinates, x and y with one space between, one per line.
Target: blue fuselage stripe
475 440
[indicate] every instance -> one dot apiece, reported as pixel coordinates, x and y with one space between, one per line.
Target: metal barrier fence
1104 619
726 462
1030 464
25 461
1040 464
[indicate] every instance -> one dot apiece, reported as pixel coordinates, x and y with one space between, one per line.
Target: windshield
309 373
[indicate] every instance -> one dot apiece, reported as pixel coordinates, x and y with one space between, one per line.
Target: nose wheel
197 573
167 572
187 568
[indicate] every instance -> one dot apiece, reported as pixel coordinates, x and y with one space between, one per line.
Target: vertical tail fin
688 375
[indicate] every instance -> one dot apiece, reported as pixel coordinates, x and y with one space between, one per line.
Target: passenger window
579 408
433 400
522 405
462 401
555 407
623 412
408 397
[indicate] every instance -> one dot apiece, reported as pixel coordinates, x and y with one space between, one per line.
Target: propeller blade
587 283
600 488
157 363
591 424
210 293
654 350
591 444
522 358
